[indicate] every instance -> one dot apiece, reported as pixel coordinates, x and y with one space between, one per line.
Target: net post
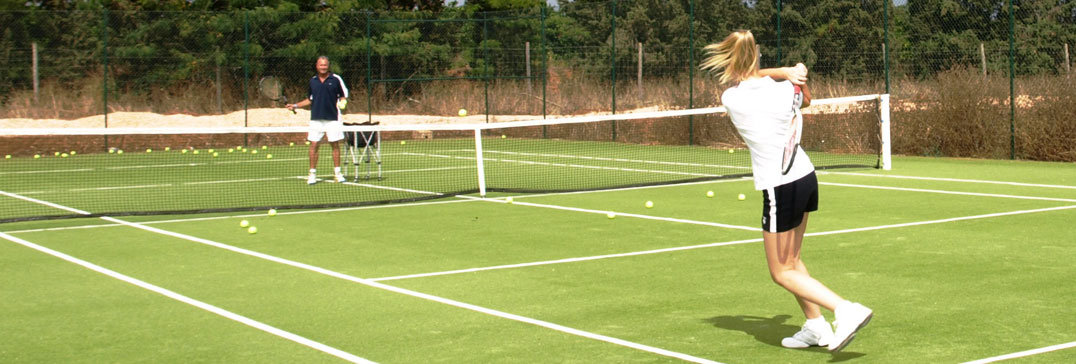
480 165
887 146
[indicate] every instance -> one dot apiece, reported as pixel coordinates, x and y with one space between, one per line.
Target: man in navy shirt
327 91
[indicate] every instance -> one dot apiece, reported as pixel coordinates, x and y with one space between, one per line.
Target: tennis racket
796 128
271 88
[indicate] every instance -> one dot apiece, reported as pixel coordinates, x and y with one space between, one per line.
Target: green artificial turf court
961 260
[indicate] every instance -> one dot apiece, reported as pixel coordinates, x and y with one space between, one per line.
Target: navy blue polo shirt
323 96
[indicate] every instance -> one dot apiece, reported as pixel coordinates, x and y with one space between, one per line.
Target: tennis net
66 173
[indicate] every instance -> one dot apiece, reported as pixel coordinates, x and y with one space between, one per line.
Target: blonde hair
735 58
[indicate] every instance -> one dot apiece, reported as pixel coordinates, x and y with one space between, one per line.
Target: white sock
336 170
313 171
818 324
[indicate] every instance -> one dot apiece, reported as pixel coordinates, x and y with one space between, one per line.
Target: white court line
949 192
603 212
1024 353
467 306
735 242
115 188
952 180
193 302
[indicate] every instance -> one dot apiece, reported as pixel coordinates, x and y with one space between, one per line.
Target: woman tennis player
766 113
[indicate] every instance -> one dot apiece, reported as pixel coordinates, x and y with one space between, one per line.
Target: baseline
1024 353
952 180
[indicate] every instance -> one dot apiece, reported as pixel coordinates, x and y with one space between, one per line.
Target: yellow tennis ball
508 199
37 156
709 193
230 150
649 204
252 230
167 149
195 151
7 156
63 155
268 156
272 212
402 142
503 136
184 151
239 147
119 151
342 104
212 151
111 150
254 151
244 223
741 197
149 150
307 142
732 150
292 144
56 154
610 215
264 147
73 152
463 112
215 154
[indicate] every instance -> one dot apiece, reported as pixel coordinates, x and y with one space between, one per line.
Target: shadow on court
770 331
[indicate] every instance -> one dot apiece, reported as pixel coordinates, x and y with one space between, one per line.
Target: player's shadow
770 331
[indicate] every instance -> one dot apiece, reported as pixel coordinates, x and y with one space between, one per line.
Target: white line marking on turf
948 192
603 212
536 322
952 180
193 302
735 242
1024 353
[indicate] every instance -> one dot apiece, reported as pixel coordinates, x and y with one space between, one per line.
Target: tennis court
961 260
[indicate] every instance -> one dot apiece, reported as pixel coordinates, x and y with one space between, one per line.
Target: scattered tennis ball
149 150
230 150
649 204
610 215
709 193
264 147
239 147
463 112
212 151
111 150
215 154
167 149
252 230
63 155
307 142
56 154
7 156
272 212
503 136
184 151
342 104
254 151
741 197
37 156
292 144
119 151
195 151
508 199
732 150
244 223
268 156
402 142
73 152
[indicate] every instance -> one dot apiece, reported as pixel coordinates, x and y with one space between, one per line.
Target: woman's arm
797 75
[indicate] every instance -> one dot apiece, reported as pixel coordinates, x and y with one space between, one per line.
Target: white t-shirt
762 110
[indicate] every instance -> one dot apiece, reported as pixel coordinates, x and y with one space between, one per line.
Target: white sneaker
850 318
339 178
808 336
312 179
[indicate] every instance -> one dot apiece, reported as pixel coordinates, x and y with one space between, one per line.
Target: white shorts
317 130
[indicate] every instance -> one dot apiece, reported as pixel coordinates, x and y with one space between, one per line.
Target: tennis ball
732 150
215 154
342 104
709 193
272 212
7 156
503 136
741 197
56 154
167 149
252 230
292 144
149 150
37 156
508 199
463 112
239 147
63 155
184 151
402 142
264 147
268 156
111 150
244 223
195 151
649 204
254 151
230 150
73 152
610 215
307 142
119 151
212 151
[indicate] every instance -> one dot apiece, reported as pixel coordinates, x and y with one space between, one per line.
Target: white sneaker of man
312 179
339 178
850 317
814 333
